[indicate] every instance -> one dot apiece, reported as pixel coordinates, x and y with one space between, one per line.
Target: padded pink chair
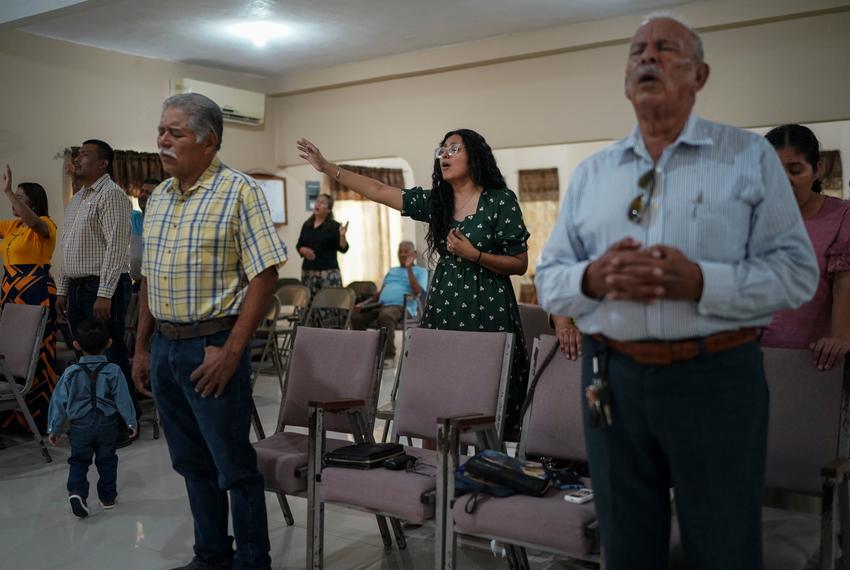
552 427
807 451
444 374
535 322
21 337
327 365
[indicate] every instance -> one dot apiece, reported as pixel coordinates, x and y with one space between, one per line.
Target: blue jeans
699 426
209 446
81 298
94 435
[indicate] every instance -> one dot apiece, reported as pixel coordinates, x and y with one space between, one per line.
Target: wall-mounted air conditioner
237 105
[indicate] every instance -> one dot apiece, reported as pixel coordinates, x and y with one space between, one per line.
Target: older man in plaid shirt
209 269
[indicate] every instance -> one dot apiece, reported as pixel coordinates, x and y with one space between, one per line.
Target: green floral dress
466 296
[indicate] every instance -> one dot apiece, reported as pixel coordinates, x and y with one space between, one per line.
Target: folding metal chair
21 337
386 411
264 353
447 374
294 300
807 457
535 322
328 306
552 427
362 289
352 376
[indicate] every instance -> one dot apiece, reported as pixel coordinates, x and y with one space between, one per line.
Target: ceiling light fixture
259 33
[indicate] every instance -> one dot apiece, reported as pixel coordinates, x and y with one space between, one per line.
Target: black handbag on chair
363 455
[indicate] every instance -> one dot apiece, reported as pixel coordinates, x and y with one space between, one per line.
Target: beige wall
787 70
56 94
781 68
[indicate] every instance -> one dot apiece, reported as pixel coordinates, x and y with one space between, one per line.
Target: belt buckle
169 330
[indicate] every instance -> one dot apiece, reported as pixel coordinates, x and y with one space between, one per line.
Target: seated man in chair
386 307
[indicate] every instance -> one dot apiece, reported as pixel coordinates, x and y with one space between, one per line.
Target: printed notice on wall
275 191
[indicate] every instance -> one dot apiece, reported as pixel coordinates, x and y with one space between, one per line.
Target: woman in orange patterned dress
27 245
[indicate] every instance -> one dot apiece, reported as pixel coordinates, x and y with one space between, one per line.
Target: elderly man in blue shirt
672 247
387 307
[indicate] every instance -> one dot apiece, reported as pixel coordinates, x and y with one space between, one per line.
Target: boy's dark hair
93 336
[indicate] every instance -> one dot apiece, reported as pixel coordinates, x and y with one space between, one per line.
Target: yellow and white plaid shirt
204 245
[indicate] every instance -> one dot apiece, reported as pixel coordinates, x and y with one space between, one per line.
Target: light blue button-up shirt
71 398
721 197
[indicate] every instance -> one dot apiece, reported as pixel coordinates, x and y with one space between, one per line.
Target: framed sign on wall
274 187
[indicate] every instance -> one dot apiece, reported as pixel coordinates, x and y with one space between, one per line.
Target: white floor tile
151 527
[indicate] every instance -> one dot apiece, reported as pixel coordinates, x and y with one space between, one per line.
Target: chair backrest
553 423
362 289
451 373
21 337
535 322
331 298
266 328
808 425
282 281
330 364
293 296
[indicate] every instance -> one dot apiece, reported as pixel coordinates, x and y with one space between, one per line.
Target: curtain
538 198
833 178
390 176
374 230
129 169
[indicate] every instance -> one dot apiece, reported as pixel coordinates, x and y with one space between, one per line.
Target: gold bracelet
480 253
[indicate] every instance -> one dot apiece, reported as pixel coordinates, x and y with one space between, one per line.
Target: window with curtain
373 229
129 169
538 198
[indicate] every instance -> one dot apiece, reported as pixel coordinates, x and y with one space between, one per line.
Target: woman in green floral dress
475 225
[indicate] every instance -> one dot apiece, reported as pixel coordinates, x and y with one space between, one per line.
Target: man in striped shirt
671 248
209 269
95 280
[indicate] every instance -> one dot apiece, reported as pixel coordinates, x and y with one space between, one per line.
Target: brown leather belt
661 353
176 331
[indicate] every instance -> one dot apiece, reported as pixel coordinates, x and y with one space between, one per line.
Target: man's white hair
699 52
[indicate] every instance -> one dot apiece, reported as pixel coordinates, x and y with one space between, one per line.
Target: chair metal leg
315 506
386 431
398 531
385 532
284 506
255 421
36 435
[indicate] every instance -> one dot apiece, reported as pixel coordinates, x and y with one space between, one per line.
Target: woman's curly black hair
485 173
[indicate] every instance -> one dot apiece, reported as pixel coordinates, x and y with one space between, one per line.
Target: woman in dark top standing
321 237
475 225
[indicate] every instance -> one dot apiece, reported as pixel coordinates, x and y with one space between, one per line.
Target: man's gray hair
699 52
203 113
408 243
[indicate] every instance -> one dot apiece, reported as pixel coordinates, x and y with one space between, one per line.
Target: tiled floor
151 528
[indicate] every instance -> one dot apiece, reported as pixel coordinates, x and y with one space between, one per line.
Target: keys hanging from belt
598 394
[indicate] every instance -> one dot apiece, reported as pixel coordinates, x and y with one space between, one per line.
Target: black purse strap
530 396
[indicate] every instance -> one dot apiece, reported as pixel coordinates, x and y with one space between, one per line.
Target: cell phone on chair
579 496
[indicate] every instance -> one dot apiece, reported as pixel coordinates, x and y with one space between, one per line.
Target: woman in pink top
822 324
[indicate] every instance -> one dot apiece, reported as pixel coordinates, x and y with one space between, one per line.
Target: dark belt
77 281
661 353
176 331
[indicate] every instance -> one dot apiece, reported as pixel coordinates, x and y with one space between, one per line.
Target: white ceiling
324 32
